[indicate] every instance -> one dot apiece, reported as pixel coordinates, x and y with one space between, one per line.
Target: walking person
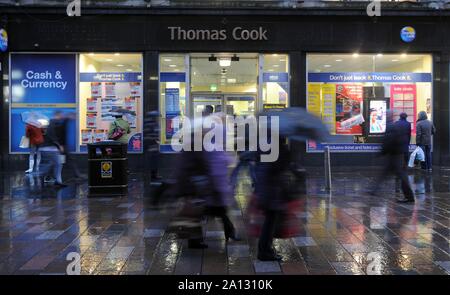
53 149
272 199
151 143
393 152
36 138
424 130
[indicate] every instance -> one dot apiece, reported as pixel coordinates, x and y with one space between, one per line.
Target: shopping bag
62 159
24 142
255 217
288 224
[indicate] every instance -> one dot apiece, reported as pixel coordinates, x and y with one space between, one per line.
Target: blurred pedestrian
151 143
36 138
424 130
393 153
204 175
53 149
273 198
404 128
62 122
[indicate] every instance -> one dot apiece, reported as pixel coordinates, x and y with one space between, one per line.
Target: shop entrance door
226 81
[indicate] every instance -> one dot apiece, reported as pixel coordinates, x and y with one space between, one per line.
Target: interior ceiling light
212 58
225 62
173 66
394 60
235 58
167 59
119 65
232 81
355 54
276 66
116 54
379 55
327 66
91 54
129 70
109 59
338 60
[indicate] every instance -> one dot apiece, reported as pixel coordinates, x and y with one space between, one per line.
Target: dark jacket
270 187
404 133
54 134
392 145
424 129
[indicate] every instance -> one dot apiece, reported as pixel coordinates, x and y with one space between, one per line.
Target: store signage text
237 33
34 80
369 77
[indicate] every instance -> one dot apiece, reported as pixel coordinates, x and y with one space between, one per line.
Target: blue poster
18 127
44 83
43 78
172 100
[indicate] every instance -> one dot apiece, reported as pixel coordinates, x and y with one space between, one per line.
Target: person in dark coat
424 130
272 198
393 153
404 129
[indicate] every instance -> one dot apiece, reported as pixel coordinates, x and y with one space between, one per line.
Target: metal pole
327 168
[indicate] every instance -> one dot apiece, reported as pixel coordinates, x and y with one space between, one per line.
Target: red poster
403 99
349 116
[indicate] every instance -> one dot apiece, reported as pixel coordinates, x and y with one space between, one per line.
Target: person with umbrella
270 189
120 128
35 122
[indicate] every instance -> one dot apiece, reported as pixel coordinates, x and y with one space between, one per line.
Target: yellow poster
329 106
314 106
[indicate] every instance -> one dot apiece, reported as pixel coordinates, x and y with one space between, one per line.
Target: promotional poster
349 109
403 99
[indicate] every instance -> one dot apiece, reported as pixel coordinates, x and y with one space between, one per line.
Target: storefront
347 70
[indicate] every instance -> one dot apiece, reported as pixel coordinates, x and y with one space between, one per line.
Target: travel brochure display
107 95
172 111
403 100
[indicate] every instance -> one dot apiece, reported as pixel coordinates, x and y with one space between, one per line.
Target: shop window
172 90
110 84
353 93
275 81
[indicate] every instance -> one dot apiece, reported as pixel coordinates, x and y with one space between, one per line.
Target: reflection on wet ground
345 232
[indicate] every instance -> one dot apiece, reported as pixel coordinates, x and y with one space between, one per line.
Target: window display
353 94
172 89
275 81
110 87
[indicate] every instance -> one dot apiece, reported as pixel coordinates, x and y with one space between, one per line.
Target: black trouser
394 165
220 212
267 233
427 151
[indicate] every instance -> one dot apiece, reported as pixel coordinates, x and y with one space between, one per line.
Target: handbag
24 142
287 225
117 132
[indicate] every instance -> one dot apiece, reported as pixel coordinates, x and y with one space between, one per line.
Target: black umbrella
297 124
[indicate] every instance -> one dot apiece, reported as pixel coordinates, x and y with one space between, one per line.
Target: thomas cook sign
236 33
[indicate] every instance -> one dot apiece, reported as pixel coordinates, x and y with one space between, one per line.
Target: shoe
197 245
269 257
60 184
29 171
405 200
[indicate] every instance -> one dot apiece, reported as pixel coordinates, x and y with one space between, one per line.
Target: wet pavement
343 232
